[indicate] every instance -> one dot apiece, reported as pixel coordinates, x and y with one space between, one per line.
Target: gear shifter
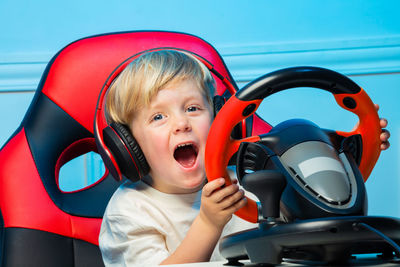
268 186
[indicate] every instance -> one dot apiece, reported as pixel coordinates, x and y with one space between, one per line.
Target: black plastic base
325 240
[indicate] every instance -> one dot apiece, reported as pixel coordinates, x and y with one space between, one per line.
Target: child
165 98
171 216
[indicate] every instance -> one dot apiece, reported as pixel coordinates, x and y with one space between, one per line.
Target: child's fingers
236 206
385 145
210 187
232 199
383 122
384 135
220 195
385 139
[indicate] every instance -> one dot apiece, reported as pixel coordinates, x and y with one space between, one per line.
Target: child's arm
217 207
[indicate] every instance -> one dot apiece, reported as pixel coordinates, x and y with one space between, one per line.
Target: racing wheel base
324 240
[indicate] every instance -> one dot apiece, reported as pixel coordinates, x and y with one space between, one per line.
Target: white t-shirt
143 226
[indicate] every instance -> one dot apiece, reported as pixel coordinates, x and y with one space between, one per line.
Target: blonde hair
145 76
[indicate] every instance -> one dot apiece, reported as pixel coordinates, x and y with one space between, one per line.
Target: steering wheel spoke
235 144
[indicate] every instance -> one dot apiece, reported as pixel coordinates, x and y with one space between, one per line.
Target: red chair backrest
40 224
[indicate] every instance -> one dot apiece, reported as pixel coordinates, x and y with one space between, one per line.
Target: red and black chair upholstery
40 224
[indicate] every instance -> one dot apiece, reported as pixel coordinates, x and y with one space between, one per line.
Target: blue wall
357 38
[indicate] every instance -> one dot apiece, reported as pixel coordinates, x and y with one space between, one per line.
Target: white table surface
364 262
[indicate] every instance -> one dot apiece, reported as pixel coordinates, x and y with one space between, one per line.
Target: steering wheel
220 146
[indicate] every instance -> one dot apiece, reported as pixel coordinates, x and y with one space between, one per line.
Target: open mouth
186 154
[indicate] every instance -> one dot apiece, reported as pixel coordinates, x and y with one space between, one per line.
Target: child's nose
182 124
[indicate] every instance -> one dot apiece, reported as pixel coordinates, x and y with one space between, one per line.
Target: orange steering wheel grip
220 146
368 127
218 153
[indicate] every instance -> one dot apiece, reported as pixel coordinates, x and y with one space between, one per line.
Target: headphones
118 148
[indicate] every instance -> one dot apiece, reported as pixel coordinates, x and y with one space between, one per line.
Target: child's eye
157 117
192 108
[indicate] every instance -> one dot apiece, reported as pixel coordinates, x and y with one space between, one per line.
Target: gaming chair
40 224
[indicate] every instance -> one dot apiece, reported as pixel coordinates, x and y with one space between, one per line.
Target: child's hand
385 133
218 204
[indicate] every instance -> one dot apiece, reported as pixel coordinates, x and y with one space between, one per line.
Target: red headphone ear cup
126 151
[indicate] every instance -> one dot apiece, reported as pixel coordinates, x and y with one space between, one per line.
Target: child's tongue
186 156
